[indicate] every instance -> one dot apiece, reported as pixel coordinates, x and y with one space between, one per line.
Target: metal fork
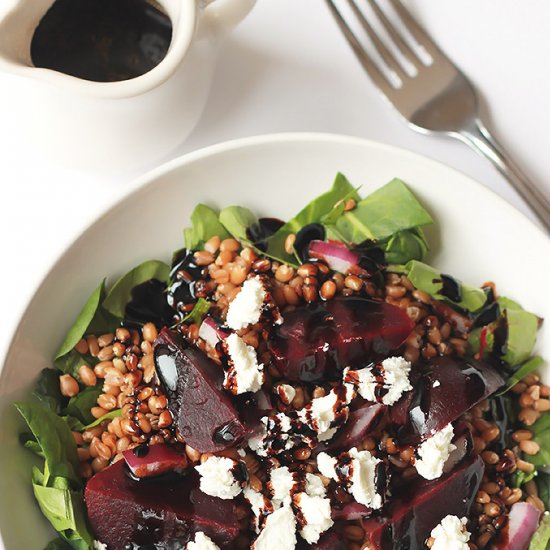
438 98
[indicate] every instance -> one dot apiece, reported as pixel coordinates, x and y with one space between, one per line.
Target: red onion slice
156 460
211 332
336 255
523 521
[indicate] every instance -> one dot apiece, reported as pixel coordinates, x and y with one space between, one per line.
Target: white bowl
477 237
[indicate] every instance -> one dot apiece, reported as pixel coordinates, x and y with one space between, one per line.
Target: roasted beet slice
316 342
124 513
445 390
360 423
203 412
155 460
409 517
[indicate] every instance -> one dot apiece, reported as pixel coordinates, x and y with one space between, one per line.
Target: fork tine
373 71
419 34
380 47
399 41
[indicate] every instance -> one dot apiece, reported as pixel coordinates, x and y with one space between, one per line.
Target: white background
287 68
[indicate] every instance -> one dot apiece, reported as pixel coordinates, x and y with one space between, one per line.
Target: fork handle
481 140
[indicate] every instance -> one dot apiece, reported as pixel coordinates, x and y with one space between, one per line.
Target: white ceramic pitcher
117 125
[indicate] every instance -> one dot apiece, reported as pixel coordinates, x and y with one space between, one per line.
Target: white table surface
287 68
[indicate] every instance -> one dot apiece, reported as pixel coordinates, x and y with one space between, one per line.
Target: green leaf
121 293
405 246
83 320
521 334
198 312
428 279
79 406
72 361
54 438
107 416
237 220
541 433
58 544
520 477
528 367
64 509
317 211
541 538
543 486
385 212
47 391
339 208
29 442
205 225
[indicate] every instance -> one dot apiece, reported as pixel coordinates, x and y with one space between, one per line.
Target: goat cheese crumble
279 531
217 479
434 452
451 534
99 545
384 383
315 516
246 307
244 374
316 422
360 474
202 542
286 393
261 506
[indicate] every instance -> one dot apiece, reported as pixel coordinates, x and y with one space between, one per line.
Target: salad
308 383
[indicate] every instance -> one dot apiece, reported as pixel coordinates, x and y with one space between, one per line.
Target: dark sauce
259 232
141 451
500 336
101 40
372 258
451 288
148 304
185 274
228 433
308 233
489 314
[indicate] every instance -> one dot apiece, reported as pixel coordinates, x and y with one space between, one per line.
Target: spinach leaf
47 391
543 486
205 225
107 416
319 210
520 477
541 538
428 279
528 367
29 442
196 315
404 246
340 207
59 544
522 333
83 321
385 212
54 438
121 292
64 509
79 406
541 432
72 361
237 220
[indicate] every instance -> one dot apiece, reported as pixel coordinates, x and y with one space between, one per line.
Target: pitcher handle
220 16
